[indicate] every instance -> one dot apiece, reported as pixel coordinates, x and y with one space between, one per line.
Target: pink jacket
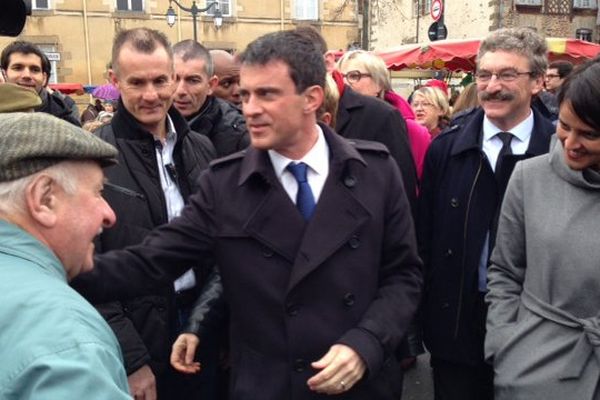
418 135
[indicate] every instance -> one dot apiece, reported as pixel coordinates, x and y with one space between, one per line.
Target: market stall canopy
459 55
68 88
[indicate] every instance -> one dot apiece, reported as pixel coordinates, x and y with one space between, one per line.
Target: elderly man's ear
42 199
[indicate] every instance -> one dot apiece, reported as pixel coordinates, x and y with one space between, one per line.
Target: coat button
299 365
145 151
445 305
292 309
448 253
267 252
454 202
349 299
354 242
350 181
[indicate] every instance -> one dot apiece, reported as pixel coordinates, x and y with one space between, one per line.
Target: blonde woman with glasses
367 74
431 109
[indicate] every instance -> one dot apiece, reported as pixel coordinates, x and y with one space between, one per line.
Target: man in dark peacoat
317 305
461 193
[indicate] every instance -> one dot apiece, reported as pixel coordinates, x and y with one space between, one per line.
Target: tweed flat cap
14 98
31 142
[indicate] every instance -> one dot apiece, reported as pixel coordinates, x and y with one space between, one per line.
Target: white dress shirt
492 143
491 146
317 160
173 199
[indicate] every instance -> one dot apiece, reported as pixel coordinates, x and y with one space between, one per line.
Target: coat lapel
339 213
275 222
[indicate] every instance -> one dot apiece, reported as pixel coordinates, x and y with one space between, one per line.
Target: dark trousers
453 381
462 382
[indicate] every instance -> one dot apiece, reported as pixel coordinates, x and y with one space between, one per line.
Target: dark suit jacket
368 118
459 203
350 275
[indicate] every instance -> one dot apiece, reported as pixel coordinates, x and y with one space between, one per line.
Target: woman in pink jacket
367 74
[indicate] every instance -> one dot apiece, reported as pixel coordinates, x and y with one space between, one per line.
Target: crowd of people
280 224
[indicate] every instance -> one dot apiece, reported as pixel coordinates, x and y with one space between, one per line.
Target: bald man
227 70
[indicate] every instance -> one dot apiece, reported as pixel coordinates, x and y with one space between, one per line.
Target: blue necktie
305 201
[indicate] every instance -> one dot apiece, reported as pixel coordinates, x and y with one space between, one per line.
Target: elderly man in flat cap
54 344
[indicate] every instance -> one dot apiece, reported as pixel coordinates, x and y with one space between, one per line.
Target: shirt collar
171 137
317 158
171 132
522 131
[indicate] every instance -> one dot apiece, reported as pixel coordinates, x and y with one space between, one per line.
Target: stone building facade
77 34
396 22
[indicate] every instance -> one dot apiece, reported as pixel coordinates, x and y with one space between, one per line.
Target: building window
224 6
584 34
585 4
425 7
53 57
528 2
306 9
40 4
130 5
558 6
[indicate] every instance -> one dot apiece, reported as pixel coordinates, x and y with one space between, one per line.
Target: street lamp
194 10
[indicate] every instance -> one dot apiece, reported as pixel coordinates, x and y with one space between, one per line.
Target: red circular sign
436 9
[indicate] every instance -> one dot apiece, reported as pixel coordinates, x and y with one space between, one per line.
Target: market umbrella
106 92
68 88
573 50
454 55
459 55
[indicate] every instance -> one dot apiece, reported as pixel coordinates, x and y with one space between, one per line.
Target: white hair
12 193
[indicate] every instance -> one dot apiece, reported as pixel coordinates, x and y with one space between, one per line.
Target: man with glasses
465 175
555 75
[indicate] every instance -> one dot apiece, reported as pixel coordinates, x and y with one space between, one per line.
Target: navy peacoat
458 204
350 275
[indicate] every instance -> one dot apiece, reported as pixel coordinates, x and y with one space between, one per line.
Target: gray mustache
502 96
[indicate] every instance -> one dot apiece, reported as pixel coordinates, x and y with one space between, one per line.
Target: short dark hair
564 68
21 46
582 89
305 62
314 36
144 40
191 50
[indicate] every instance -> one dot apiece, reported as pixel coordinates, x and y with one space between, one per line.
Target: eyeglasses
422 104
506 75
551 76
355 76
